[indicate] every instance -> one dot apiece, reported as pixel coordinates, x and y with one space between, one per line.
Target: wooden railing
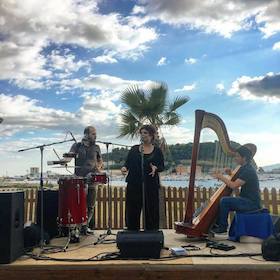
173 197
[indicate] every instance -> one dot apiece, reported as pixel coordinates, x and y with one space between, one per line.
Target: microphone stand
101 238
143 185
41 147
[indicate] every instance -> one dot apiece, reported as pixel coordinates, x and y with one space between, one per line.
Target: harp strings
221 159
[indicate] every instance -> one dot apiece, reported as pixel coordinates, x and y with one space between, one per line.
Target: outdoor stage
190 267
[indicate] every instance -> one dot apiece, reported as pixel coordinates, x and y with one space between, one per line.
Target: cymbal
70 155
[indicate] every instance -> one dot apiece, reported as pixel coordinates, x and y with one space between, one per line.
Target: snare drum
99 178
72 209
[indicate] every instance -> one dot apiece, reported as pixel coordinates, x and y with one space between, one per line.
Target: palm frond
134 98
173 120
177 103
130 124
127 131
157 98
168 115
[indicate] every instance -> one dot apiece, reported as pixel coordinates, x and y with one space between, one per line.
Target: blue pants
228 204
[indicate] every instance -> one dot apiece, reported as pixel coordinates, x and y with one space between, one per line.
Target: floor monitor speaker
140 244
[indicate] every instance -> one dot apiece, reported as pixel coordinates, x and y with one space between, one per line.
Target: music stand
41 147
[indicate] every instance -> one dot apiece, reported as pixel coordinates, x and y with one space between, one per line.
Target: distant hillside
177 154
269 168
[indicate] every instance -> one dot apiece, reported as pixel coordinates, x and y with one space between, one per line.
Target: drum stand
42 241
69 229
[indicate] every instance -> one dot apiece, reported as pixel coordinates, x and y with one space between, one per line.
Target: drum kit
72 208
72 202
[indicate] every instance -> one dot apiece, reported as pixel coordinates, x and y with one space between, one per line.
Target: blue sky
65 63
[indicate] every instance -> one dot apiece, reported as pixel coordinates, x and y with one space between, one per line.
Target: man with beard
88 160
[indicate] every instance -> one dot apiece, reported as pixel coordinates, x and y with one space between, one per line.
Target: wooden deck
190 267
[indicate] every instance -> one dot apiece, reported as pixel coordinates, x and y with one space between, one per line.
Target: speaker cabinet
50 211
11 226
140 244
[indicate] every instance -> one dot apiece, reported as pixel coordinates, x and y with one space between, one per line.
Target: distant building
182 169
198 170
51 175
34 171
275 171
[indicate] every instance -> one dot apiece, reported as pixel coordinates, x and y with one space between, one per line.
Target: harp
199 226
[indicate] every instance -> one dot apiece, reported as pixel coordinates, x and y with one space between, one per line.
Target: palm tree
148 107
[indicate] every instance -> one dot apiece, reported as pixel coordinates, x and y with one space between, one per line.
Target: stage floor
195 267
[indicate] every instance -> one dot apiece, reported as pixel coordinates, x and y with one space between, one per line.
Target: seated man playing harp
248 182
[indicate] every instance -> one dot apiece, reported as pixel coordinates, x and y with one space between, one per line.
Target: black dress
134 188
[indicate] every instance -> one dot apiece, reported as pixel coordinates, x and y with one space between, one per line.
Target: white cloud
104 59
276 46
177 134
27 30
23 63
22 113
222 16
30 84
102 111
220 87
65 62
191 60
138 10
186 88
162 61
103 82
74 22
265 88
267 143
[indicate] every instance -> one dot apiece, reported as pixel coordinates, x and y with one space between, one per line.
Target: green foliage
118 155
174 155
148 106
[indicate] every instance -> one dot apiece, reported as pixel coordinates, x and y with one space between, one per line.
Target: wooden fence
174 199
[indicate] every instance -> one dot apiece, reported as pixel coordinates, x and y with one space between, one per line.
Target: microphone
73 136
141 139
53 162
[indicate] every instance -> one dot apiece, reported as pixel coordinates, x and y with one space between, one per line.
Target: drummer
88 160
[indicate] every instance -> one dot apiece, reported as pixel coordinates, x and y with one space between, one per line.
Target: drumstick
56 154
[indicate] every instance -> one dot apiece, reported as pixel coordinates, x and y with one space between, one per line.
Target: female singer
153 163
